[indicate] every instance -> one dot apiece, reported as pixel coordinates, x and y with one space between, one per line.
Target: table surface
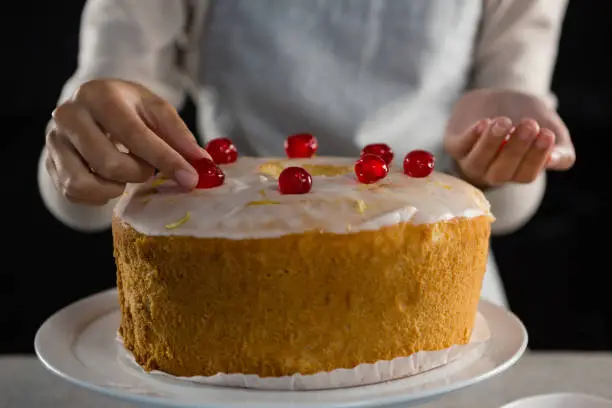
25 383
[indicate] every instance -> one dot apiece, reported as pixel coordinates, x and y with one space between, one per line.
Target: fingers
510 157
96 149
517 156
165 121
535 158
562 158
563 155
122 113
72 177
112 133
477 162
461 145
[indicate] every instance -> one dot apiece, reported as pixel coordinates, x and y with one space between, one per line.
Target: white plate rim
45 355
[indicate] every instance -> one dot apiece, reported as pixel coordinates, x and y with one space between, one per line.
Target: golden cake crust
300 303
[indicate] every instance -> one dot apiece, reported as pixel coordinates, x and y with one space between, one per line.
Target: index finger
126 126
460 145
161 117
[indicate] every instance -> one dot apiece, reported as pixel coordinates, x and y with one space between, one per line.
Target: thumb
459 145
563 155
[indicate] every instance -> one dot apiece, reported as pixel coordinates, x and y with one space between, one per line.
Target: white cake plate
78 343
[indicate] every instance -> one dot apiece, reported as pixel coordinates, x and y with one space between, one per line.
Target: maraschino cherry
370 168
419 163
294 180
503 143
222 150
210 175
301 145
379 149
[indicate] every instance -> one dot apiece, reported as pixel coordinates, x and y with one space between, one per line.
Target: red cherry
419 163
503 143
379 149
302 145
222 150
294 180
210 175
370 168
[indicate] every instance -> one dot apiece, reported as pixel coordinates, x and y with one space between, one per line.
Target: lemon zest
262 202
361 206
179 222
159 181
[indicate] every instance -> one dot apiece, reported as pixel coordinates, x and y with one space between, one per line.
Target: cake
243 279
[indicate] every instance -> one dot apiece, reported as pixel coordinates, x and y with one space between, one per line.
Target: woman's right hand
113 132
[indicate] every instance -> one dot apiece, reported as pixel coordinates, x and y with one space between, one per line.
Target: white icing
336 204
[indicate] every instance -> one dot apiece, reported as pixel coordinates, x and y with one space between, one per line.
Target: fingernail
527 133
481 126
528 129
542 143
501 127
555 156
186 178
204 153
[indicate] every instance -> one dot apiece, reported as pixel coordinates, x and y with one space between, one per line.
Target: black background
555 269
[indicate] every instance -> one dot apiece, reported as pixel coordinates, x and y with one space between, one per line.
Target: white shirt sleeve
518 44
517 50
134 40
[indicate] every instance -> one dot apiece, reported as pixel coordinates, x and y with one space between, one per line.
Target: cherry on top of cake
244 197
372 166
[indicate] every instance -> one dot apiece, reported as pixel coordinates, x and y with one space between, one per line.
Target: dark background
555 269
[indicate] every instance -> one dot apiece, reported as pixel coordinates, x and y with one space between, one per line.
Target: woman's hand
498 136
112 133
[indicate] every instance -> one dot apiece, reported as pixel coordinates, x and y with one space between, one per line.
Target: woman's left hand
498 136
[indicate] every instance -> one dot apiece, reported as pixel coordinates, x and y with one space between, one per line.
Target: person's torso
351 72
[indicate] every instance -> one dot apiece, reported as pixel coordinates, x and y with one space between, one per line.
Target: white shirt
352 72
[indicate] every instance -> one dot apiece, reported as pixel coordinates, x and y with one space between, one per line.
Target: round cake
242 278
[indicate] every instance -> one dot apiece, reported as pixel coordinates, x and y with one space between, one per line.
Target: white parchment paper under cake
363 374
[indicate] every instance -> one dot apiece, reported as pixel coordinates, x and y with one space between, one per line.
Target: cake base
306 303
363 374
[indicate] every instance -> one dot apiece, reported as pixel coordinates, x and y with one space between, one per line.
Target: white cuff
513 205
78 217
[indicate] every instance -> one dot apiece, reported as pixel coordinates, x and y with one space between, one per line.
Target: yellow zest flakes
159 181
328 170
361 206
365 186
272 168
446 186
180 222
146 200
375 186
262 202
